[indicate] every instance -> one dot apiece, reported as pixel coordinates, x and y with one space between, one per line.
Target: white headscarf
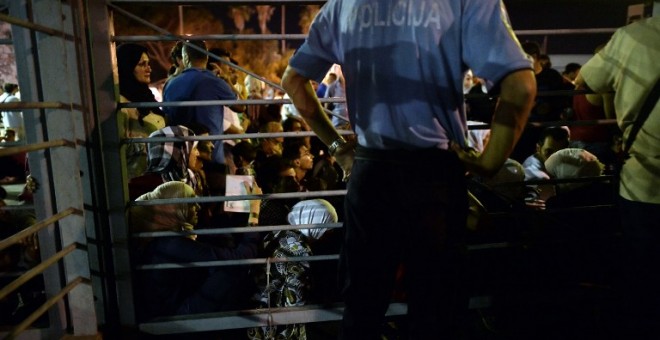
315 211
573 163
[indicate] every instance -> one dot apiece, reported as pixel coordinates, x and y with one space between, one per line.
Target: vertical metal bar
94 193
283 24
180 20
65 162
28 67
57 170
104 81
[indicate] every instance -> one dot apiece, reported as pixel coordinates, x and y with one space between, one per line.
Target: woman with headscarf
134 78
194 289
313 212
289 284
167 161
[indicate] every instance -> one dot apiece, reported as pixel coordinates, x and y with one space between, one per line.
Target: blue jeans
405 207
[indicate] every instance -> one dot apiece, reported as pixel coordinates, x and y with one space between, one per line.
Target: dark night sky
565 14
524 15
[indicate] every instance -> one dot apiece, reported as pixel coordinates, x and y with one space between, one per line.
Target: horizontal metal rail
36 227
557 123
566 31
36 147
254 318
601 178
258 135
552 93
251 2
20 106
212 199
45 307
298 36
261 135
225 263
131 38
221 231
184 40
188 103
36 270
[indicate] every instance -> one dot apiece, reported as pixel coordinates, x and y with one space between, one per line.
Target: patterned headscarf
315 211
164 217
170 159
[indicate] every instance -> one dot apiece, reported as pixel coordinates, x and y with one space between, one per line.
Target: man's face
550 146
224 70
306 160
272 146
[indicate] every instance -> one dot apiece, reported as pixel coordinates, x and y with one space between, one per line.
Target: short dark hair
532 48
220 52
572 67
556 133
291 150
9 87
193 53
245 150
287 124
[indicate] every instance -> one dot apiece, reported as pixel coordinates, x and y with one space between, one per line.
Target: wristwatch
336 144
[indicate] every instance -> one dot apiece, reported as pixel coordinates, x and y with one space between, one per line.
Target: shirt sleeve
320 50
599 71
490 47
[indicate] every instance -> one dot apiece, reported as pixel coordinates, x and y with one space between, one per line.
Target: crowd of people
406 170
301 164
189 167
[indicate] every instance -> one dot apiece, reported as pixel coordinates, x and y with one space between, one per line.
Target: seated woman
289 284
323 241
187 290
167 161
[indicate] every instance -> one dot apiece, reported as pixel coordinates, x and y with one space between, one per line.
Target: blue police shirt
403 62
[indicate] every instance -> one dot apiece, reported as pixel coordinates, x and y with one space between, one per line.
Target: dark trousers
640 311
403 207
